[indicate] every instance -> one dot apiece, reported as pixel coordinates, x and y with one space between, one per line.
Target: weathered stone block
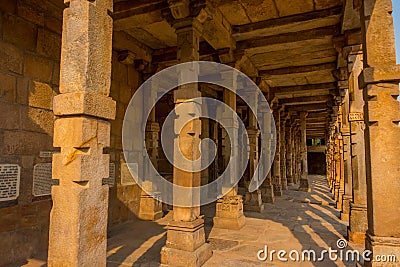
38 68
37 120
11 58
40 95
21 142
83 228
20 32
49 44
181 258
9 114
8 87
30 13
85 103
22 90
81 133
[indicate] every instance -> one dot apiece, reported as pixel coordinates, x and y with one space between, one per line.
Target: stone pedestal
267 193
253 201
150 207
345 213
185 244
388 248
229 213
304 186
357 223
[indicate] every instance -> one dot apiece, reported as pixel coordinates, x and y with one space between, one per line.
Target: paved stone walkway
296 221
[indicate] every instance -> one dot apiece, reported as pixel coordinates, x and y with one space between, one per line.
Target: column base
150 208
358 223
229 213
388 247
253 201
304 186
277 190
284 184
290 181
267 194
345 213
339 201
185 244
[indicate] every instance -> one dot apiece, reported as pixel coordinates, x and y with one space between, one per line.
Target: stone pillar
267 190
339 172
347 175
380 79
185 245
78 219
289 160
276 171
282 144
358 223
304 186
150 208
253 201
298 156
229 208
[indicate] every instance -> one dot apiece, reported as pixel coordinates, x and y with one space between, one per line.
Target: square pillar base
229 213
358 223
150 208
267 194
388 248
253 201
284 184
304 187
345 213
185 244
277 190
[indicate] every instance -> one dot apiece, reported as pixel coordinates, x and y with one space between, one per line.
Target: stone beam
264 28
300 90
309 108
216 29
128 14
170 53
298 69
123 41
288 37
305 100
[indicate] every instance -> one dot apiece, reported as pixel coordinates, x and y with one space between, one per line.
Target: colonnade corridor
296 221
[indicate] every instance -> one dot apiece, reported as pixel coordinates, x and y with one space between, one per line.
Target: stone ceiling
292 45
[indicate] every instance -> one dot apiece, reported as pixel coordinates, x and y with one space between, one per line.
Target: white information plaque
42 179
9 181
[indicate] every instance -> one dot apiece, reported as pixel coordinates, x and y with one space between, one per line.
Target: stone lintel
84 103
387 74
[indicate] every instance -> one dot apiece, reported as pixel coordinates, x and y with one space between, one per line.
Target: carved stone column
229 208
358 223
267 190
78 219
282 144
185 245
380 80
253 201
276 169
289 159
304 186
347 175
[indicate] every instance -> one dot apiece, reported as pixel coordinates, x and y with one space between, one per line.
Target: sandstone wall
30 50
30 44
125 194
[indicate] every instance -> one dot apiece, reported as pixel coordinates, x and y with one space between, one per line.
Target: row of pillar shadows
78 220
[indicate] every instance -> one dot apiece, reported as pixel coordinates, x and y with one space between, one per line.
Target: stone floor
297 221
